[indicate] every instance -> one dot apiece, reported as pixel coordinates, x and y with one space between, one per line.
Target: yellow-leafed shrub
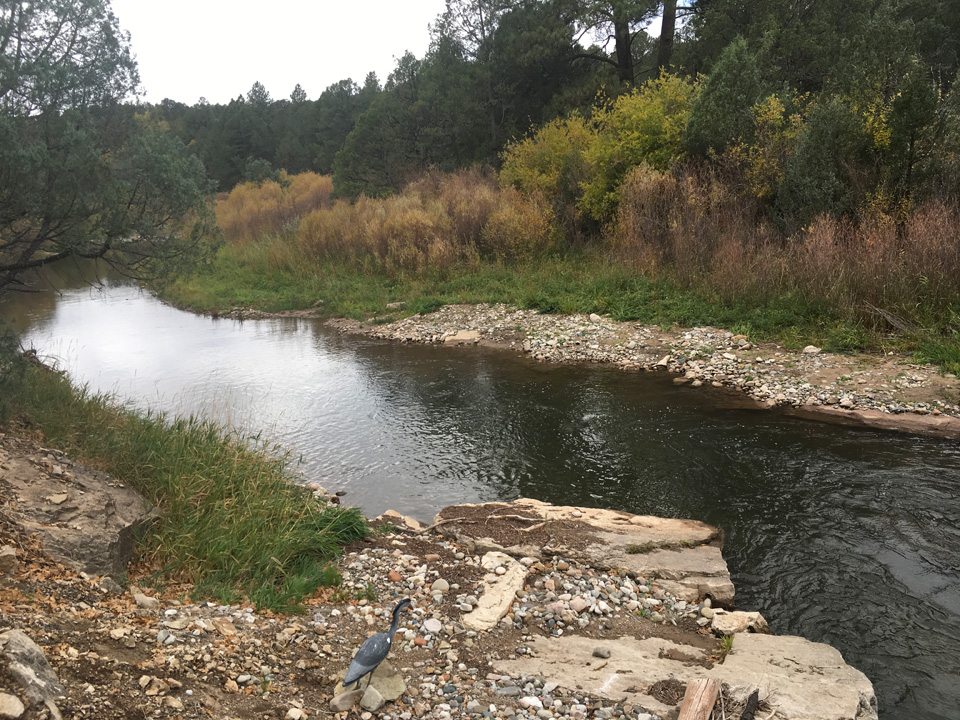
252 211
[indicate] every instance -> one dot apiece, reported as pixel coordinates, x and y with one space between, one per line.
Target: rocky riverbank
879 391
521 610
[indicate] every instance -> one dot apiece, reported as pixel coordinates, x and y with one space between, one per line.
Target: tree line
804 108
497 70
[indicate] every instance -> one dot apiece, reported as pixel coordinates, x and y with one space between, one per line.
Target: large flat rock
798 679
682 556
84 518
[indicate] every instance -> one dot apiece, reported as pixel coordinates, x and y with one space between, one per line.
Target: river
844 536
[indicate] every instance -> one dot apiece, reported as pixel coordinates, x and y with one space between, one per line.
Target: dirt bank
628 642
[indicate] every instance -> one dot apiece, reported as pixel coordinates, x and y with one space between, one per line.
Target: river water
850 537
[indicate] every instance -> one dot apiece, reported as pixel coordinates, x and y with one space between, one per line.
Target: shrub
552 163
642 127
254 210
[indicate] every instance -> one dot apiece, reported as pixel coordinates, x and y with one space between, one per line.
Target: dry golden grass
438 223
251 212
703 233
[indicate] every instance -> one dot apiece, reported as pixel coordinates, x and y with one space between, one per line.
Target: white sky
218 48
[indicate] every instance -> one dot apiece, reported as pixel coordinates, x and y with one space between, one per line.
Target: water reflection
848 537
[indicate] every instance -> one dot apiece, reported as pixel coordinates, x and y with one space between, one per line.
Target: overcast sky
218 48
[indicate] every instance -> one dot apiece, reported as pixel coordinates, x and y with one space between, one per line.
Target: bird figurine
373 650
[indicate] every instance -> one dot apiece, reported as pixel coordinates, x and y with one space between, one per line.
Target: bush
254 210
643 127
552 163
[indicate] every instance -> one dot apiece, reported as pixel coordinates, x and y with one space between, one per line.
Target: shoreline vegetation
675 255
229 518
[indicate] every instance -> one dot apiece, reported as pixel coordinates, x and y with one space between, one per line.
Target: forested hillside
789 169
852 96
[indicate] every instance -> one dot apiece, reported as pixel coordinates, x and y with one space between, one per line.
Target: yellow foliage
434 225
551 161
764 160
251 211
643 127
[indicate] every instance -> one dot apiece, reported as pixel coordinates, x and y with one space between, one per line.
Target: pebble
704 356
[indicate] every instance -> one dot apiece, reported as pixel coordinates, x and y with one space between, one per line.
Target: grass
231 521
571 283
725 647
700 255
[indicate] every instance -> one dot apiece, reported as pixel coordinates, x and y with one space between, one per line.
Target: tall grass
888 276
251 211
435 225
686 246
231 519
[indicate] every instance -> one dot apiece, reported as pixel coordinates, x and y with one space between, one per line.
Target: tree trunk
667 31
623 41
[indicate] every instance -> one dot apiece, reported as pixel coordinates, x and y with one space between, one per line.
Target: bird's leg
369 679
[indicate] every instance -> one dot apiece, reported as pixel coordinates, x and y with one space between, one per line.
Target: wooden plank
699 699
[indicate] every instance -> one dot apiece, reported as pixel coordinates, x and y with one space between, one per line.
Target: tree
299 95
81 176
722 113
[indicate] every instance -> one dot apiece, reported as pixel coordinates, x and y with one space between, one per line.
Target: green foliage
722 113
13 366
232 520
643 127
822 174
81 176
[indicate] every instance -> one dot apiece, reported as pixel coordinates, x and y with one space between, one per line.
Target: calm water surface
849 537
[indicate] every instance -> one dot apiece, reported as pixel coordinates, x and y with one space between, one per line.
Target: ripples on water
844 536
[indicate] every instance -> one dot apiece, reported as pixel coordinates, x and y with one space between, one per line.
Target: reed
231 519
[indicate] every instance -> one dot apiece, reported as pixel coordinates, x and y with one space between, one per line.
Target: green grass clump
231 519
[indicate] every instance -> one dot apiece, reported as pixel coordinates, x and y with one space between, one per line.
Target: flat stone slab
85 519
799 679
499 593
682 556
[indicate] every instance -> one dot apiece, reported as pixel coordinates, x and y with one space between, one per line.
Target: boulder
803 680
27 664
731 623
463 337
8 561
84 518
10 707
399 520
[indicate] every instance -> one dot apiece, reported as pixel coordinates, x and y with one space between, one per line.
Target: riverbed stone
10 707
27 664
803 679
673 551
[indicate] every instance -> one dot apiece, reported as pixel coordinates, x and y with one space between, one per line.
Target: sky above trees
188 49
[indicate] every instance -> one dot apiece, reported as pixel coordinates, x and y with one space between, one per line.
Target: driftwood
699 699
473 521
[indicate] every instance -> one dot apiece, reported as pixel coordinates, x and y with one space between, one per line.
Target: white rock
10 706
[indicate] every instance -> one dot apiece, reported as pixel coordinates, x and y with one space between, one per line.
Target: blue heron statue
374 650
